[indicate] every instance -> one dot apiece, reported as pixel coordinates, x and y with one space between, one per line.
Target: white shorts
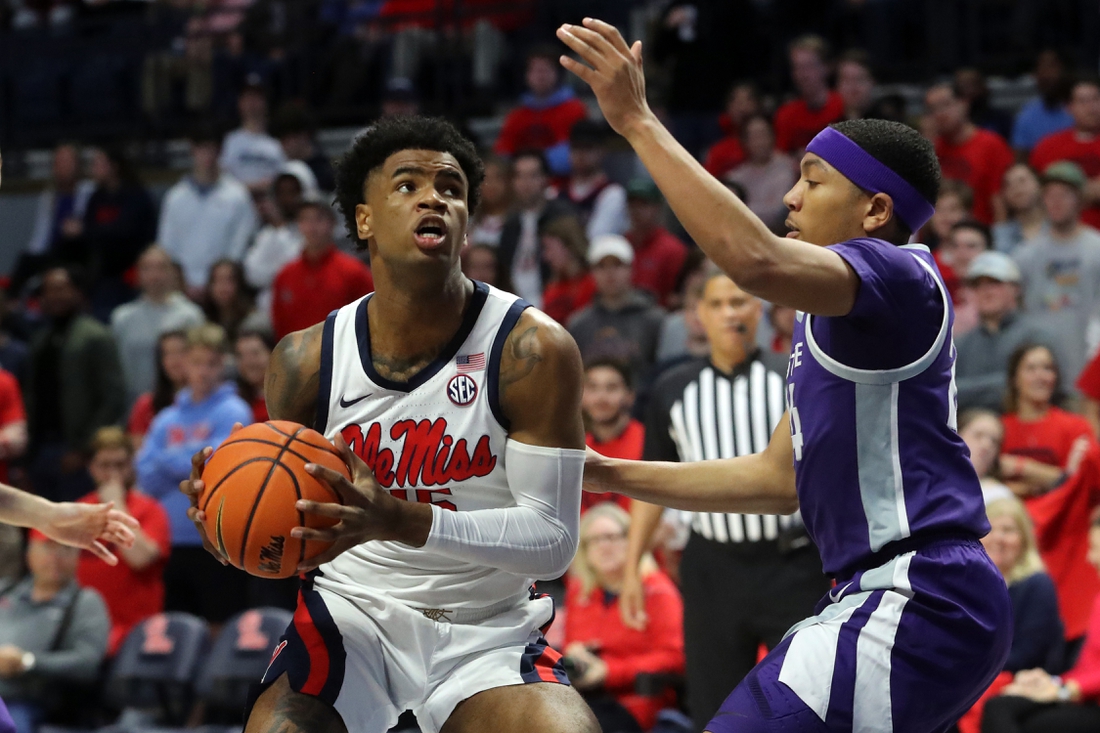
372 658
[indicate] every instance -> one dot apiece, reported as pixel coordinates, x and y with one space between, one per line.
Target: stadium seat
155 668
237 659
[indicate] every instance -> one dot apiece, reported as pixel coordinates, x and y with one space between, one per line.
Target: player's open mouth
793 233
430 232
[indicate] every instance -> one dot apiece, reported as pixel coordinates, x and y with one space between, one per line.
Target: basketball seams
209 497
280 446
260 492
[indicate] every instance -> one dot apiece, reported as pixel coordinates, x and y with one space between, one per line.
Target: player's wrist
410 522
640 125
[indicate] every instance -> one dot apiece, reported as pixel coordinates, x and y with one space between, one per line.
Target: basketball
251 483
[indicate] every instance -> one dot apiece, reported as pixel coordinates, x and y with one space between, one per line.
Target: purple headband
862 169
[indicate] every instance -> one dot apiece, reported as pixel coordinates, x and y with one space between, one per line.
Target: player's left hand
611 68
368 511
90 527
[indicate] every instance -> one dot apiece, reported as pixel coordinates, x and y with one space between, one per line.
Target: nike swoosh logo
349 403
834 596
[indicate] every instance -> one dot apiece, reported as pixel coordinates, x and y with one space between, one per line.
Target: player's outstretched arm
784 271
761 483
87 526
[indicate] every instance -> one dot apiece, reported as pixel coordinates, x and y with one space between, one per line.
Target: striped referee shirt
697 412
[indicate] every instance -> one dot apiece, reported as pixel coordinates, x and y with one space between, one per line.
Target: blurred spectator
545 115
1079 144
969 239
171 377
206 216
982 354
120 221
621 323
496 198
278 241
600 202
953 204
606 405
658 255
58 216
479 262
565 250
74 387
1043 444
53 635
252 350
203 414
38 13
983 434
522 270
228 300
742 102
797 121
248 153
1088 384
275 35
1061 270
682 335
1037 702
971 85
967 153
295 130
13 423
606 655
399 98
1023 205
767 174
137 325
1045 113
13 346
134 589
781 318
321 280
855 83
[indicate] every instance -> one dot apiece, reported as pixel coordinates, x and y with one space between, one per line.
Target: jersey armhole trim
493 379
886 376
324 388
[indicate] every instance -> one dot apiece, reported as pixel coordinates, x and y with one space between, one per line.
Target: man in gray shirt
982 354
138 325
1060 271
52 632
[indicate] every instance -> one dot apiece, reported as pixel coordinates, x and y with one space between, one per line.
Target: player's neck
430 309
605 432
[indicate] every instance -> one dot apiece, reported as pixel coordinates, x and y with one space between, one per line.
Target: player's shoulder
534 330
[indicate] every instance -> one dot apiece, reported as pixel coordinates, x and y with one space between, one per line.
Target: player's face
416 210
994 298
1004 543
112 465
729 316
983 436
825 207
605 546
606 396
1036 376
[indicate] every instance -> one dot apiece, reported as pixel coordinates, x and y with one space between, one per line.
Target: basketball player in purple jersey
919 621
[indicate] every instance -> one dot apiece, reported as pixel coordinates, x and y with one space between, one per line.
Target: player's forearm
747 484
22 509
644 518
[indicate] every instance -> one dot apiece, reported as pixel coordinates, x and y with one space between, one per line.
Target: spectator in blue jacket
203 414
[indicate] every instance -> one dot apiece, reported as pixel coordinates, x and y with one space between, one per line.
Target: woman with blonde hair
603 656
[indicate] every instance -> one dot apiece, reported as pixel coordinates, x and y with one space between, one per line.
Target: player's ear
363 222
880 210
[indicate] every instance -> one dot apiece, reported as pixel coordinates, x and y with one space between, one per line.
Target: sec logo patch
462 389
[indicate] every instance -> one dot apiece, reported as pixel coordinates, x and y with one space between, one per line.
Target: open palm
89 527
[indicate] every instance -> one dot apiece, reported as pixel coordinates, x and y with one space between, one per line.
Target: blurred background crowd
167 217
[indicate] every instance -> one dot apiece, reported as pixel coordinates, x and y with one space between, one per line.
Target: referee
745 578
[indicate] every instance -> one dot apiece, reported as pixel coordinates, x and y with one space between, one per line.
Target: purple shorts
906 647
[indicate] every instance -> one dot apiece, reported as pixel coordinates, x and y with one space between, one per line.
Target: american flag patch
470 362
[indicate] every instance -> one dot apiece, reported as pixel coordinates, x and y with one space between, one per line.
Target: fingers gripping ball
251 483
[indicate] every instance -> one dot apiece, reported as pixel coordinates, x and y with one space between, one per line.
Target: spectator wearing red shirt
545 114
171 378
321 280
797 121
253 352
742 102
134 588
967 153
658 255
1079 144
565 251
13 422
1037 702
606 405
1088 384
606 655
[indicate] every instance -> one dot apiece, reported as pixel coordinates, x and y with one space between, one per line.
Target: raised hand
611 68
89 527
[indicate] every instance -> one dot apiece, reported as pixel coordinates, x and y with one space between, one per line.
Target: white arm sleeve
537 537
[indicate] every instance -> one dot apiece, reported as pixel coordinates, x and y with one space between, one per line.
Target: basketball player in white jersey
458 409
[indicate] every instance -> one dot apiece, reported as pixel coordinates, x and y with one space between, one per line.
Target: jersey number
424 496
796 424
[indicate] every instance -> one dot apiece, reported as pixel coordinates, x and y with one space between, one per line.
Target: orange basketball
251 483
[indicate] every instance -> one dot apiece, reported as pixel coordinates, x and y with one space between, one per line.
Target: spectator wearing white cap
982 354
622 322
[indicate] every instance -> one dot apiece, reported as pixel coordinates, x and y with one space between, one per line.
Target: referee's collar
740 369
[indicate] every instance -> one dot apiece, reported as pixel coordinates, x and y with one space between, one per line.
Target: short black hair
617 365
390 135
901 149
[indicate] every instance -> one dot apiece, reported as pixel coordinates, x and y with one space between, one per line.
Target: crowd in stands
134 332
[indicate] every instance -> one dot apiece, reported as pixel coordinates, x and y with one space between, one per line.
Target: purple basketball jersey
873 413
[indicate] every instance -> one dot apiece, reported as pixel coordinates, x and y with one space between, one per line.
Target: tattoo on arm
522 355
294 377
298 713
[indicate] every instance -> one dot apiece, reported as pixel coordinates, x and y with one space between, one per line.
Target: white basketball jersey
437 438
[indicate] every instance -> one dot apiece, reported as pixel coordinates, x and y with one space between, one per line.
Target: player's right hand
632 601
192 488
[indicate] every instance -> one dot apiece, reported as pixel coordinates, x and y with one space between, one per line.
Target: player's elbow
557 554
